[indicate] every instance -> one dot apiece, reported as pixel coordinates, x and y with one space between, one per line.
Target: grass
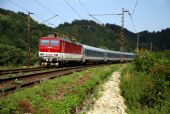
64 95
133 86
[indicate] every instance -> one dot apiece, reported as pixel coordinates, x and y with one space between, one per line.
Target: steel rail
11 84
19 70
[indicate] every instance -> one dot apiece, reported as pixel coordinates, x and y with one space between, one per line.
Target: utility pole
137 42
28 41
121 32
122 46
122 37
151 45
91 37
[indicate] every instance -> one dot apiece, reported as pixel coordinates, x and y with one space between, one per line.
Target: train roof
92 48
64 39
105 50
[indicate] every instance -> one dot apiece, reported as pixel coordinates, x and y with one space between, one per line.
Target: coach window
99 54
54 42
85 52
117 55
93 53
88 53
44 42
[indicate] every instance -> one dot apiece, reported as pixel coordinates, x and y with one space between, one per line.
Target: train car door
62 49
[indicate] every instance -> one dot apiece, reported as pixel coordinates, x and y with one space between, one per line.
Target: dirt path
111 102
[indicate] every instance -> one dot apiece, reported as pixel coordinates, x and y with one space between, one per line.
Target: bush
143 61
10 55
148 84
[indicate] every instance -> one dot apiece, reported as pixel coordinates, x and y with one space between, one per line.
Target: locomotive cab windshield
49 45
54 43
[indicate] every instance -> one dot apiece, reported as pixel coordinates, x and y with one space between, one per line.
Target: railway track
11 84
21 70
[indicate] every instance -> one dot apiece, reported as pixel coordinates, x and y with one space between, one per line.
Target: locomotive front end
49 49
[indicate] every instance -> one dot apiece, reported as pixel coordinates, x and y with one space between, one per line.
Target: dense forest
13 34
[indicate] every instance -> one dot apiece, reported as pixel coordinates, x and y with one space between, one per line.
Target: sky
151 15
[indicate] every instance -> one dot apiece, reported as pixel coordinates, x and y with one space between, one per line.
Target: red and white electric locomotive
55 51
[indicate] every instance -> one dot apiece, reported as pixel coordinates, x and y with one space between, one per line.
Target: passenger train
61 51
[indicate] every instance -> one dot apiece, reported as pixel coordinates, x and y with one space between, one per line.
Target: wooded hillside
13 32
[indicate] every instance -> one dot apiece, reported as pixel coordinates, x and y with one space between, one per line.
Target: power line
104 14
48 19
44 7
96 19
49 10
89 13
38 16
92 15
18 5
24 8
84 7
137 39
132 15
132 22
134 8
73 9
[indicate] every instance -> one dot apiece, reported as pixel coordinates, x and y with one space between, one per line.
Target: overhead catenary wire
131 15
73 9
24 9
38 16
104 14
137 39
18 5
89 13
92 15
96 19
49 10
134 8
44 7
84 7
132 22
48 19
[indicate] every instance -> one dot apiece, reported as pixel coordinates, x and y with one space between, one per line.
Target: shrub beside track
145 84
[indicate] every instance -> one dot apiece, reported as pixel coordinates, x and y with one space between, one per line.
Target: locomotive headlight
55 54
41 54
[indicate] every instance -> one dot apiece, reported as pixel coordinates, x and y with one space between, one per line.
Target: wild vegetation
145 84
13 32
64 95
